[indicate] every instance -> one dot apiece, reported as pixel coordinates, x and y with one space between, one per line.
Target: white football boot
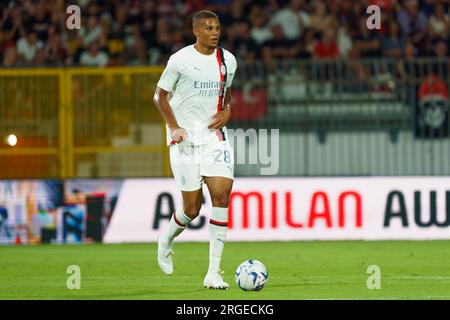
214 280
165 257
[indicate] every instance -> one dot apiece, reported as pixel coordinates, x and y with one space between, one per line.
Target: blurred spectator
440 49
220 7
135 49
192 6
134 12
93 8
148 25
308 44
393 45
358 73
9 57
40 21
92 32
12 23
163 48
427 6
278 48
406 69
58 16
410 51
177 41
116 47
385 5
236 14
413 22
166 9
56 50
29 47
136 32
293 19
245 48
320 20
344 40
367 43
260 32
350 13
441 65
326 47
271 6
5 43
93 57
439 23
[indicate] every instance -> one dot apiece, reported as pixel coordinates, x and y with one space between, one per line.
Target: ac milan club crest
223 69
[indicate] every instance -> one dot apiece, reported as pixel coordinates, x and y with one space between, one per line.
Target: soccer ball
251 275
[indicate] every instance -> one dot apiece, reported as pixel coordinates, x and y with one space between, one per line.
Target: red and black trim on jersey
223 80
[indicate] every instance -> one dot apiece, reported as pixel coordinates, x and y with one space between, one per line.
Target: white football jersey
195 82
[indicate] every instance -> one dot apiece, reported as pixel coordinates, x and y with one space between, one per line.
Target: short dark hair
204 14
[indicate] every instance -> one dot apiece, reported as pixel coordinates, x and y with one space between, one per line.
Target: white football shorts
191 163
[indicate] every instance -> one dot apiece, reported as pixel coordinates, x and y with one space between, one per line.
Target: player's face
208 32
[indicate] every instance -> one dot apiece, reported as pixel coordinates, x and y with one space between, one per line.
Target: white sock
218 225
177 225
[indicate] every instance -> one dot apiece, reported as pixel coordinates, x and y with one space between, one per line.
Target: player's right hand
178 135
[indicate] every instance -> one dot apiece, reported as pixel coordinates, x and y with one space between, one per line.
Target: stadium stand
311 68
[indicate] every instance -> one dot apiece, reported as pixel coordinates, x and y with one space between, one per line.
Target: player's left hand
220 119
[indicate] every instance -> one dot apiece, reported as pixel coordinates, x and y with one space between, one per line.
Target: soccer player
194 97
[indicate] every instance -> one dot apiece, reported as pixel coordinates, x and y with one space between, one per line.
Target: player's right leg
187 177
192 201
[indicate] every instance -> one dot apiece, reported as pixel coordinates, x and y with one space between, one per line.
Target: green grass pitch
297 270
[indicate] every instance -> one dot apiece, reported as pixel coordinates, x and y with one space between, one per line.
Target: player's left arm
221 118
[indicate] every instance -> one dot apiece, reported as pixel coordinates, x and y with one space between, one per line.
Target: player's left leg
220 190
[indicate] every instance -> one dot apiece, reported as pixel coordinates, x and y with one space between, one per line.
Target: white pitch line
363 276
420 277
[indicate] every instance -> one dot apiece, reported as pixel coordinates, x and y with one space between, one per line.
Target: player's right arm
160 98
166 83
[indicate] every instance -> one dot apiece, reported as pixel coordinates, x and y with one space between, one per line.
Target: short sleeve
170 75
231 71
